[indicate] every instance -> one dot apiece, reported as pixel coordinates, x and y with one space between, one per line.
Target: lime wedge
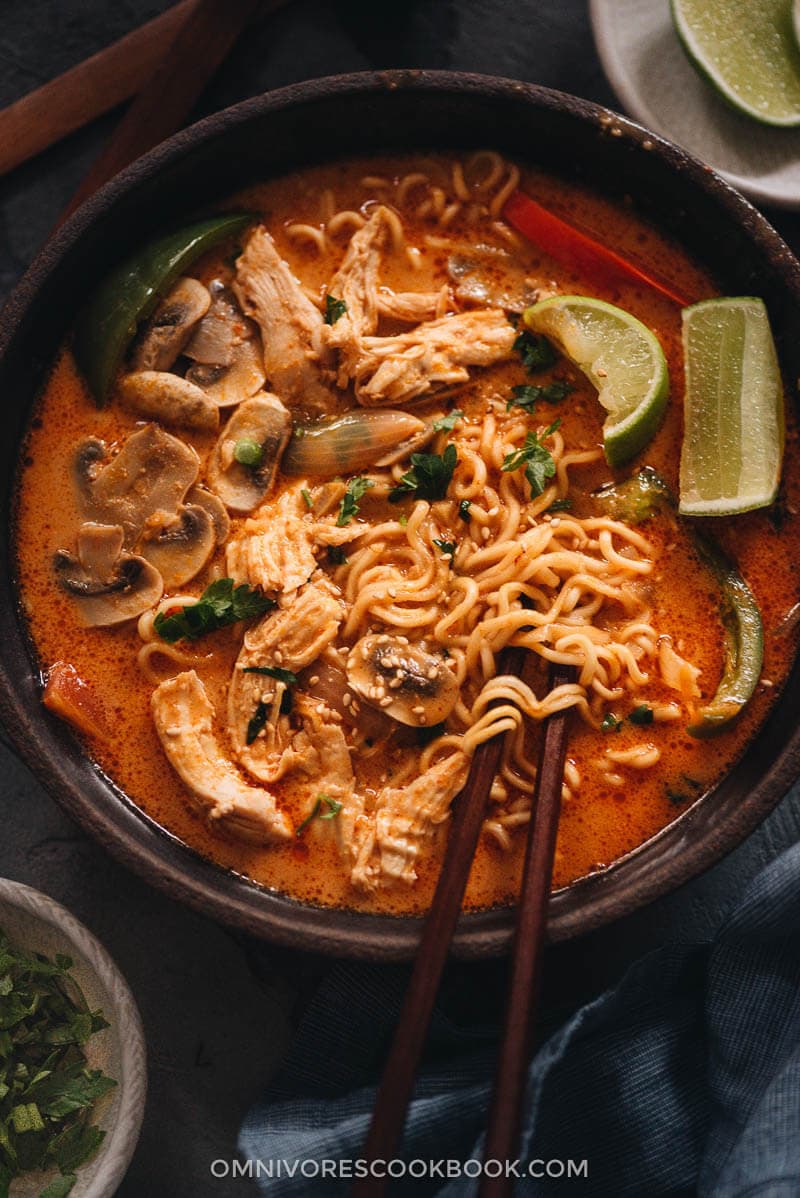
748 51
620 356
733 409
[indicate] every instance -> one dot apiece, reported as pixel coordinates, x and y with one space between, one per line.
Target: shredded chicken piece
356 282
676 671
276 548
183 717
389 843
296 358
433 355
290 639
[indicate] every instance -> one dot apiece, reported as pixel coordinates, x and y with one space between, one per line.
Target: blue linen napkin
683 1079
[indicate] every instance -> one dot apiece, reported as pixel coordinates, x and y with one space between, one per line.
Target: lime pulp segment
733 409
747 49
620 356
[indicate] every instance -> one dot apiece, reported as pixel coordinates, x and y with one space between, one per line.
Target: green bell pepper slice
108 322
744 644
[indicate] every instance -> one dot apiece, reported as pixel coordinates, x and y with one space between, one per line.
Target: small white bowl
35 922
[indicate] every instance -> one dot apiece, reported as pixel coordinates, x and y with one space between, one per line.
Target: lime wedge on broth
620 356
748 51
733 409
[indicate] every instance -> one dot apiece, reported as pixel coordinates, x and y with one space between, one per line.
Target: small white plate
35 922
658 86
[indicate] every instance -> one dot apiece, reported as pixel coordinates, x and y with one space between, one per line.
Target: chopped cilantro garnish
537 460
641 714
257 721
463 510
337 555
220 604
527 395
334 309
248 453
560 505
429 476
47 1091
536 351
307 500
260 718
403 521
356 489
449 421
610 723
333 805
448 548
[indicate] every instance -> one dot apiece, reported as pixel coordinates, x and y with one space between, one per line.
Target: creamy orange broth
600 823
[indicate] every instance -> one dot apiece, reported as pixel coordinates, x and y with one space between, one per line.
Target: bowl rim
183 873
120 1142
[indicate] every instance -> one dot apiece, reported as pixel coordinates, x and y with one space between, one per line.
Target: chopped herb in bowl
47 1090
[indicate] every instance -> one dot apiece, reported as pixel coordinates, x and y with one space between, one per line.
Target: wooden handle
165 101
505 1114
85 92
397 1083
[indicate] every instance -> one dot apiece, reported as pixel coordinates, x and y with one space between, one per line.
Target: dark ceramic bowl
272 134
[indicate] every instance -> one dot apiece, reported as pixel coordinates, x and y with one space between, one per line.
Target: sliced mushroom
180 548
171 326
406 682
150 474
216 509
168 398
107 584
261 422
225 351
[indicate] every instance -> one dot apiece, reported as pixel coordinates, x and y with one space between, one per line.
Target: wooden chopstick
505 1113
394 1092
86 91
198 47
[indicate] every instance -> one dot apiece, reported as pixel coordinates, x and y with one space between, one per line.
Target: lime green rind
622 359
744 645
699 57
733 409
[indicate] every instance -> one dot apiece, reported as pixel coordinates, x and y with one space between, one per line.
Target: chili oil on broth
601 820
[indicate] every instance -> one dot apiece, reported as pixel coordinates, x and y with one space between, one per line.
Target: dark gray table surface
218 1013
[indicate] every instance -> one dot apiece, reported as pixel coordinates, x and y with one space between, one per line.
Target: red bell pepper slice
577 250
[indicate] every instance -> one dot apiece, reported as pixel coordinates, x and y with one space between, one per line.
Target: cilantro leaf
334 309
276 672
463 511
429 477
527 395
333 805
536 458
337 555
356 489
641 714
220 605
449 421
560 505
257 721
448 548
610 723
535 350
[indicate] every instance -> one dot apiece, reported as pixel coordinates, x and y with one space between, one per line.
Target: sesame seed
387 702
347 698
314 680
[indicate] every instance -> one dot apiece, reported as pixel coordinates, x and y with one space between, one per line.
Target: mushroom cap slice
181 548
216 509
150 474
107 584
228 385
263 421
168 398
171 325
183 716
406 682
